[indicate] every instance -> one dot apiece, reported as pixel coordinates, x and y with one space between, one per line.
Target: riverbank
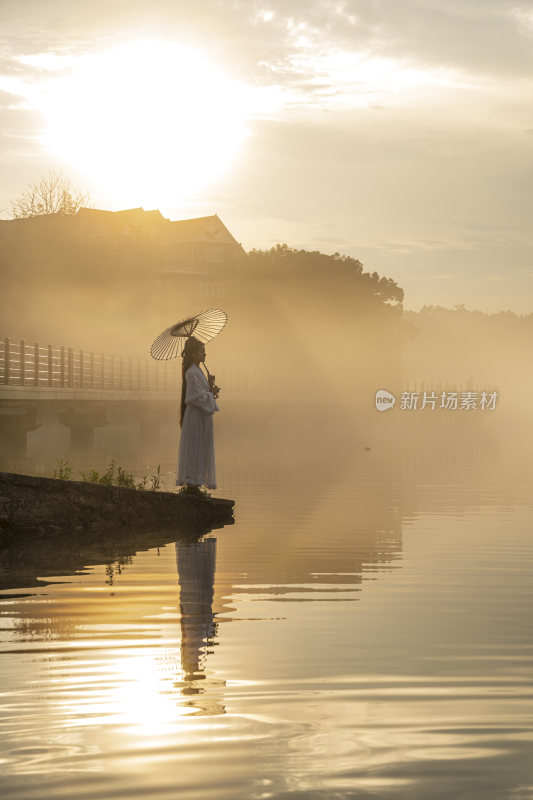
41 507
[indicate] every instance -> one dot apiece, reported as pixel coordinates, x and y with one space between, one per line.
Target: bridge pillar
82 424
15 424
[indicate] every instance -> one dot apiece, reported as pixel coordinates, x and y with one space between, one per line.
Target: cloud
324 53
318 58
481 36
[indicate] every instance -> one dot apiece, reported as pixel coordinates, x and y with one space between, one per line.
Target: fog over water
308 331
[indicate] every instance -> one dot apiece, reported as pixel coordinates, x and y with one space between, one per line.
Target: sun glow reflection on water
183 673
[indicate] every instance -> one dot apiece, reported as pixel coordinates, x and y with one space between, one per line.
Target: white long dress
196 456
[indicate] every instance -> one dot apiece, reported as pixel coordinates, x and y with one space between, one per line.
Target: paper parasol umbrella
203 326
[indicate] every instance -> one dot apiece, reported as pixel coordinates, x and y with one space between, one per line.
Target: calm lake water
363 630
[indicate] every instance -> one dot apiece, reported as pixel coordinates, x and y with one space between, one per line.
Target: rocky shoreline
42 507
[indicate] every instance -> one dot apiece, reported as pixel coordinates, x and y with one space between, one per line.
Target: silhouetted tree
323 274
53 194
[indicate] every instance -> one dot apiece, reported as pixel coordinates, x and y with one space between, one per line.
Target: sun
149 122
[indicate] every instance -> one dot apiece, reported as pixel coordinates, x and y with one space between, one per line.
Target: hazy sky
398 133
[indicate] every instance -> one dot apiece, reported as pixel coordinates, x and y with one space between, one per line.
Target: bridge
81 389
84 390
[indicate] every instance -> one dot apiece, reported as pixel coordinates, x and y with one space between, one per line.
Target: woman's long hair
189 349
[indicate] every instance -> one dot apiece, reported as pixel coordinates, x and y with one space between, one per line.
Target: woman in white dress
196 457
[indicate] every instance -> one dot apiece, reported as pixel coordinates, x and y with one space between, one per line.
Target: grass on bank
117 476
113 476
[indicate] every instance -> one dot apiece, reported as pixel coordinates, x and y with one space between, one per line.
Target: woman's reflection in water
196 563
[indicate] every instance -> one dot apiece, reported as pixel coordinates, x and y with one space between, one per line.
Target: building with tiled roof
132 244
